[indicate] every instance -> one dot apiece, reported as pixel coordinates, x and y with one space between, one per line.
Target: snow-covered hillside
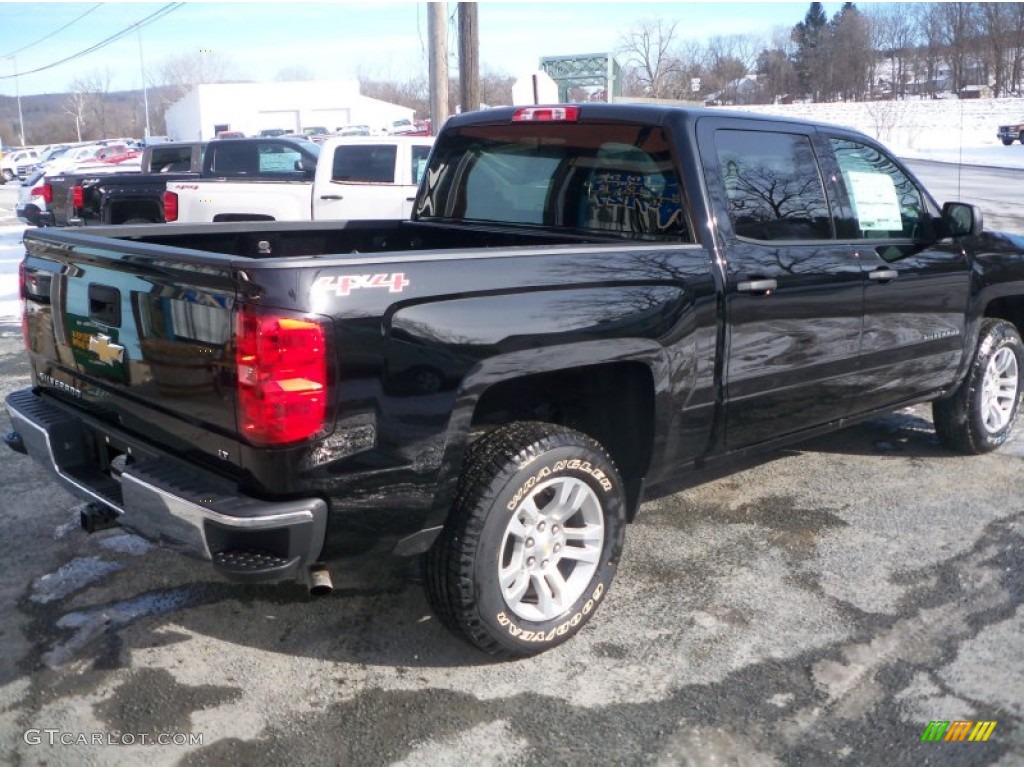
952 130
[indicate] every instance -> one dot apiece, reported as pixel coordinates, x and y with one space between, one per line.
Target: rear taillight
77 196
282 377
45 192
568 114
170 206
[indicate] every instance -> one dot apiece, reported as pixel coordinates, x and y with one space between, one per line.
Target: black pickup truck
588 302
91 198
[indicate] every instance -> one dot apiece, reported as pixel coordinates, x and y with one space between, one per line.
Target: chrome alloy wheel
551 549
999 390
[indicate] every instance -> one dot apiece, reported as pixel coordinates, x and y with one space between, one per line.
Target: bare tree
894 34
75 104
997 21
495 88
928 17
645 49
727 61
91 92
959 25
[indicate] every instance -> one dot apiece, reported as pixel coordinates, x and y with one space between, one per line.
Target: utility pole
17 92
469 58
437 30
145 92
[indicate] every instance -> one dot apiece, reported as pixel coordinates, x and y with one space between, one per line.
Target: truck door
916 286
793 294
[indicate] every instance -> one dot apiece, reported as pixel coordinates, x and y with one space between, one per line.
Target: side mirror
962 219
305 166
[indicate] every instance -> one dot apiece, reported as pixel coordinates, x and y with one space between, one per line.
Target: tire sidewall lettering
576 465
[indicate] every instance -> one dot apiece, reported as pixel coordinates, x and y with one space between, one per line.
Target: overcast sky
337 40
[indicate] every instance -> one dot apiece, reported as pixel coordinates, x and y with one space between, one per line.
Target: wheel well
1009 308
613 403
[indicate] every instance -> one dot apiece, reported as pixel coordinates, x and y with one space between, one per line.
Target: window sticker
875 202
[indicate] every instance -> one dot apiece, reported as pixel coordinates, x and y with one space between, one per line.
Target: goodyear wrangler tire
532 542
980 415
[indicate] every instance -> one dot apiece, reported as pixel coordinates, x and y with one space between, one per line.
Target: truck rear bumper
170 502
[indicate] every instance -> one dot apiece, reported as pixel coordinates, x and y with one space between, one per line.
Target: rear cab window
611 178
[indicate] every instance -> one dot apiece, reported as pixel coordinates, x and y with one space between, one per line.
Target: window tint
886 203
365 162
419 161
773 186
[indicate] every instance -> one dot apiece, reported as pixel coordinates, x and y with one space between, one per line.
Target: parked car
18 164
33 201
269 133
117 153
354 130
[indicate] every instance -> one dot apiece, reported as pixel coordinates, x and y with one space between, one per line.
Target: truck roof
653 114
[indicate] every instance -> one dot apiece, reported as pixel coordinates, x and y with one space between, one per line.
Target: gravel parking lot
820 606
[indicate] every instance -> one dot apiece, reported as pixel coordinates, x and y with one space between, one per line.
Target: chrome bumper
172 503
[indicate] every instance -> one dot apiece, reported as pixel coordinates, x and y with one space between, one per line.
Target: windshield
612 178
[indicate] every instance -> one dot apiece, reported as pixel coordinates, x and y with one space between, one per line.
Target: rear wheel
980 415
533 540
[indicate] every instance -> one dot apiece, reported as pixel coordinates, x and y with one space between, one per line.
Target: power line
156 15
47 37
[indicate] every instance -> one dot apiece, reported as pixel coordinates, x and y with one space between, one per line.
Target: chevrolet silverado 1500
587 302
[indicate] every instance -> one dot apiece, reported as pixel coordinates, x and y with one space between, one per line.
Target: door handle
331 197
410 199
883 274
757 286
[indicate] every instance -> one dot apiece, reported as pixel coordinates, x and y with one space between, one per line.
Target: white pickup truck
354 177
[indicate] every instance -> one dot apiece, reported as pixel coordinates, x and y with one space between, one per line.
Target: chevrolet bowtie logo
105 350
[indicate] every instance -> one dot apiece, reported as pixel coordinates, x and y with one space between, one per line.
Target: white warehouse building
290 106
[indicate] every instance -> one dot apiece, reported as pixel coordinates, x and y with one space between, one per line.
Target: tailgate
139 335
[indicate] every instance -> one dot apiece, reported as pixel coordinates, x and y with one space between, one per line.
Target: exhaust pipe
97 517
320 583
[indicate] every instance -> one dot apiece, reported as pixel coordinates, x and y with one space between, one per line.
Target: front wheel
979 416
532 542
1008 142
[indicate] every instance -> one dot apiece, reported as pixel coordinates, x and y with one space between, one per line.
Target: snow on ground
11 252
948 130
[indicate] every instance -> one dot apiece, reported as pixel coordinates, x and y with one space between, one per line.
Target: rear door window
373 163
